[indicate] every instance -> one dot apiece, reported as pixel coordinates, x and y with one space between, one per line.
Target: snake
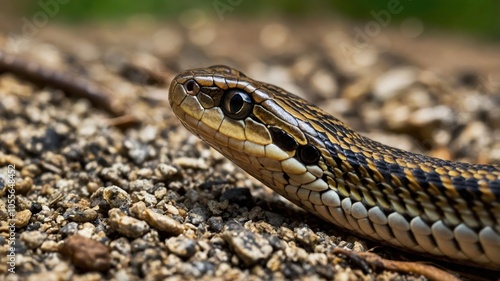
439 208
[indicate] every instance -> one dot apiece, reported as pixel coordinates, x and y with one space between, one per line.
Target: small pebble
49 246
248 246
30 170
25 186
193 163
144 196
136 151
238 195
145 185
216 224
172 210
86 254
158 221
127 225
305 235
145 173
33 239
166 172
10 159
392 82
274 218
181 246
148 134
324 83
76 214
22 218
69 229
197 215
110 197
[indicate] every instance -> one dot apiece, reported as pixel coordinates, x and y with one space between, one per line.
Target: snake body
450 210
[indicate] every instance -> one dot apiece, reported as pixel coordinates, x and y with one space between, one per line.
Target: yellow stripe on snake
446 209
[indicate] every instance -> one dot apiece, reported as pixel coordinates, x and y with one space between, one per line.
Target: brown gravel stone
85 253
158 221
49 246
30 170
25 186
11 160
23 218
127 225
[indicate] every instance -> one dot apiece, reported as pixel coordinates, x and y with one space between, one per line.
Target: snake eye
282 139
236 104
308 154
192 88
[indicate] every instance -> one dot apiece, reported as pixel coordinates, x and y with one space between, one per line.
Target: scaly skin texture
441 208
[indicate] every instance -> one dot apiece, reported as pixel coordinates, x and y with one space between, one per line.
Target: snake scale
449 210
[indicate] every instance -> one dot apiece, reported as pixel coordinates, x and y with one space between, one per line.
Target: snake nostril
192 88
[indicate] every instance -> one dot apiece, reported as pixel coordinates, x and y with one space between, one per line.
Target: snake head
252 123
218 104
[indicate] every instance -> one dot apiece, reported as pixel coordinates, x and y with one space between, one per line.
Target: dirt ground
159 204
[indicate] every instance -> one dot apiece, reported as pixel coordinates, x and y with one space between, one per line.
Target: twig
73 86
376 262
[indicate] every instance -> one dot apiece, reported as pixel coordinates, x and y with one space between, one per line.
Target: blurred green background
480 18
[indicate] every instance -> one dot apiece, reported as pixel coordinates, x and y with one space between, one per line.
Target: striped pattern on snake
445 209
